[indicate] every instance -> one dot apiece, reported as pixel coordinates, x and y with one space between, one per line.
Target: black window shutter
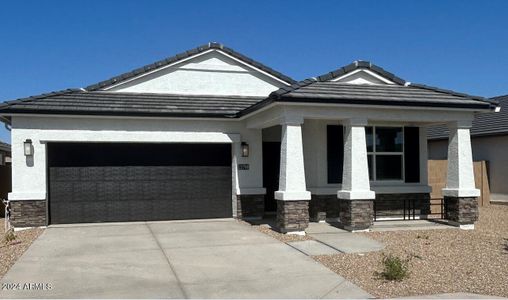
335 152
412 154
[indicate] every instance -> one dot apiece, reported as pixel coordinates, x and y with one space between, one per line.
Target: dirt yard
441 261
10 252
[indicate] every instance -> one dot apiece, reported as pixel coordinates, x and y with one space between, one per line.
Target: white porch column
292 196
292 172
355 174
460 176
356 200
460 193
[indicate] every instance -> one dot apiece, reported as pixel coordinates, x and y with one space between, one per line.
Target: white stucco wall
212 73
29 175
493 149
362 76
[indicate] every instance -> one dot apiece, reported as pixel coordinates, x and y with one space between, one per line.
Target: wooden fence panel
437 170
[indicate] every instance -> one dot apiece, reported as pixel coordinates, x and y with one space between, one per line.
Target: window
335 152
385 150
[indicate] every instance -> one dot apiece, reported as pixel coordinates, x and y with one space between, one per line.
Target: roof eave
388 103
12 112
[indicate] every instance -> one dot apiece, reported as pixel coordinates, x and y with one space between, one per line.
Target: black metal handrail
409 210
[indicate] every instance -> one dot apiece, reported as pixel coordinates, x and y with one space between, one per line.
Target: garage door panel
64 174
91 174
97 194
96 182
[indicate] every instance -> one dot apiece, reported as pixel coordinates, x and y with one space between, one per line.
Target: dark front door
107 182
271 167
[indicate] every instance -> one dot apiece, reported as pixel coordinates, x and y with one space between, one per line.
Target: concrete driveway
199 259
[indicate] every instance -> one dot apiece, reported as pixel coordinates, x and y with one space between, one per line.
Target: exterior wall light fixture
28 148
245 149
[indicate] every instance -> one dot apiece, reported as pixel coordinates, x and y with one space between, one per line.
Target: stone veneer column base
28 213
324 208
356 215
250 207
292 216
461 211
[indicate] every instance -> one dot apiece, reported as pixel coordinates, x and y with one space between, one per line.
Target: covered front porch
355 139
354 165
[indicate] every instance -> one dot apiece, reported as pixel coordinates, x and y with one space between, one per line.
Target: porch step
499 202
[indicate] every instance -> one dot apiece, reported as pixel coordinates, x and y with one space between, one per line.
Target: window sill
401 188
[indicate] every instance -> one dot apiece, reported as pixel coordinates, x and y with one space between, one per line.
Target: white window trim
374 154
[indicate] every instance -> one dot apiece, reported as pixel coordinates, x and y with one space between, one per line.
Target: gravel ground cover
441 261
10 252
285 238
282 237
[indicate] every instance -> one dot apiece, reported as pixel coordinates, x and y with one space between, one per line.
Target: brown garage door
103 182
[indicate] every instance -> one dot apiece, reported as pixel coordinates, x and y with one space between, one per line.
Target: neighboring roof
76 101
183 55
485 124
5 147
321 90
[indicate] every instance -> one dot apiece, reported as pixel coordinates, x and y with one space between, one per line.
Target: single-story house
211 133
5 153
489 138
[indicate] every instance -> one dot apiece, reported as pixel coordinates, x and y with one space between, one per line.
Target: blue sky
53 45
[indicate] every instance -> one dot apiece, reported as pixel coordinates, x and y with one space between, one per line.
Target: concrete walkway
201 259
341 240
411 225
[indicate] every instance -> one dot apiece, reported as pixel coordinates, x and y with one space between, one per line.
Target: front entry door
271 167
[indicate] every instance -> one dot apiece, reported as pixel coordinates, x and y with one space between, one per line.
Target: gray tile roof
484 124
360 64
321 90
5 147
183 55
92 101
74 101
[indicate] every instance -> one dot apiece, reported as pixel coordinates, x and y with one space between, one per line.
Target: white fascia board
388 107
156 70
253 113
383 79
254 68
339 105
121 117
192 57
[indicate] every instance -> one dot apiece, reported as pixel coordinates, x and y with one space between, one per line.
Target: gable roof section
322 90
81 102
358 65
485 124
187 54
